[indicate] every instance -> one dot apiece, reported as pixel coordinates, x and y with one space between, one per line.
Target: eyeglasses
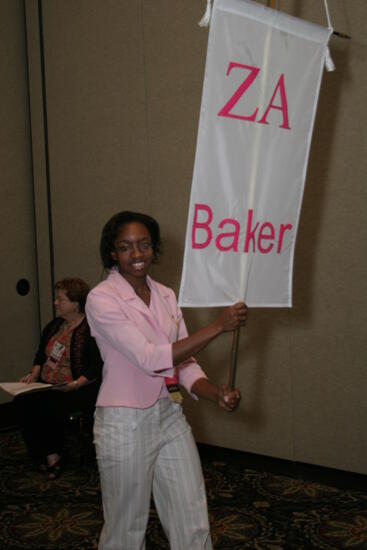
61 299
130 247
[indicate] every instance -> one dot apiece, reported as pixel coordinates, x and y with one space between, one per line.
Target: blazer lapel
165 322
126 292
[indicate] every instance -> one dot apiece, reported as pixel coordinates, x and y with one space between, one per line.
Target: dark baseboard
318 474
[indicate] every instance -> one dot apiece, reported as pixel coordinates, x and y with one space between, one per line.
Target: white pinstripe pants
145 450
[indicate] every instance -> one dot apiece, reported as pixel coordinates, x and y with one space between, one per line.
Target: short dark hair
112 228
75 289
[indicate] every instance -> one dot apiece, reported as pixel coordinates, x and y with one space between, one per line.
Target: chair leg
84 423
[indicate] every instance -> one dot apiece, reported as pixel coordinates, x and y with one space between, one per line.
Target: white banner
261 85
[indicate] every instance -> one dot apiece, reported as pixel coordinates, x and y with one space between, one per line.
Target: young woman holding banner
143 441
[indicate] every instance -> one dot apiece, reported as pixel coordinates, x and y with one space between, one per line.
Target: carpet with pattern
249 509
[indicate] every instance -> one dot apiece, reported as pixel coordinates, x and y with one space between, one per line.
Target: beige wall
123 91
19 313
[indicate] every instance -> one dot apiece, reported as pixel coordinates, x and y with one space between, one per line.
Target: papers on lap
15 388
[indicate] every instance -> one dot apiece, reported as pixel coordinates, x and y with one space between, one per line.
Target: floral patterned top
81 355
56 369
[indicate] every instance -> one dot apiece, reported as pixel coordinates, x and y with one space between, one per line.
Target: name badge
57 351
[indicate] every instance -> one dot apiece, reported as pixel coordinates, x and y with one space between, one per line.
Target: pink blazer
135 342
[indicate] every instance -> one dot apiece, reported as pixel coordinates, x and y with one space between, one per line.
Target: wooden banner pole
233 366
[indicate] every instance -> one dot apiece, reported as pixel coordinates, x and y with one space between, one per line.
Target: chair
81 424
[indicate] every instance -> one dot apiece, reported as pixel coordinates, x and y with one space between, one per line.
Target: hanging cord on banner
329 63
205 20
327 14
336 33
339 34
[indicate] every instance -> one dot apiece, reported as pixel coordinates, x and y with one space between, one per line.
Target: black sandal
54 471
42 468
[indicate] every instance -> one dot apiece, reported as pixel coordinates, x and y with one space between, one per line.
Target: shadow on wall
254 361
316 188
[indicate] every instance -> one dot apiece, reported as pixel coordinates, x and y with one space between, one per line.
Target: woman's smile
138 265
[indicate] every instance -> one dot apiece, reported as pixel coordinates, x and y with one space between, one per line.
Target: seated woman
69 359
